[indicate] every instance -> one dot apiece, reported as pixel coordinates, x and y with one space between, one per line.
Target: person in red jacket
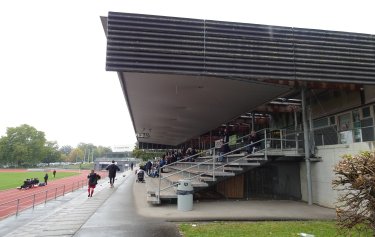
92 182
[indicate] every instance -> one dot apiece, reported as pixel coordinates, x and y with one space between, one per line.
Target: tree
100 151
355 181
76 155
22 146
88 151
146 154
51 153
66 149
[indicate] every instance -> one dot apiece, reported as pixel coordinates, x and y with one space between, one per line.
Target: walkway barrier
15 206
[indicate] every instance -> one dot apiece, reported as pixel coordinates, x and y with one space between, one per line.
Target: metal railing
15 206
276 139
270 140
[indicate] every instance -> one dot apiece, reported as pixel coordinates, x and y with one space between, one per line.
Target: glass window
366 112
344 122
323 122
356 119
357 126
332 120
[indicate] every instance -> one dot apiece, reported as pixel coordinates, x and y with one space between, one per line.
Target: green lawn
11 180
266 228
84 166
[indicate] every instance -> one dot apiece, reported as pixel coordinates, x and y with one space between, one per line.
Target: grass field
267 228
84 166
11 180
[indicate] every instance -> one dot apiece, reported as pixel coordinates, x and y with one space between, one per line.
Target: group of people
29 183
188 154
33 182
151 168
46 176
252 140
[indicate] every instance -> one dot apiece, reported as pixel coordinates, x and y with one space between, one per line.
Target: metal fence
15 206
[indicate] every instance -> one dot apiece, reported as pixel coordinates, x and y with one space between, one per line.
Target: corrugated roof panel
159 44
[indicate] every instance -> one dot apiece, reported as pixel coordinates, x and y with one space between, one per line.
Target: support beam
307 146
296 128
252 121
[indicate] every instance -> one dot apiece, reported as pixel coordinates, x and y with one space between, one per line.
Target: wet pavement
118 217
124 211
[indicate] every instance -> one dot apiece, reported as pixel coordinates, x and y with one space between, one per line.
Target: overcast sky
52 57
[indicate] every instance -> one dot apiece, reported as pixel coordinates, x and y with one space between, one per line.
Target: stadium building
309 94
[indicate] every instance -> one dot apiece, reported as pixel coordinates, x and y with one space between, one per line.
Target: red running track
10 199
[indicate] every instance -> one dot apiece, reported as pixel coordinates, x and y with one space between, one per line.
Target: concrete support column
307 146
296 128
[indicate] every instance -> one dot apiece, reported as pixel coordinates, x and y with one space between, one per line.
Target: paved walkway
123 211
232 209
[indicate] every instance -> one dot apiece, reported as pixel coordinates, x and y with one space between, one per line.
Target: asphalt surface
124 211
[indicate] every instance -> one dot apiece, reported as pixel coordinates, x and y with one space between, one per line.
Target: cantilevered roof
182 77
174 108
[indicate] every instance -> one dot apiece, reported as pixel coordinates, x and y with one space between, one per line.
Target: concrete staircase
206 171
202 173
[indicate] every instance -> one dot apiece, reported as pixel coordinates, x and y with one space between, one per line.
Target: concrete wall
334 102
322 172
369 93
276 180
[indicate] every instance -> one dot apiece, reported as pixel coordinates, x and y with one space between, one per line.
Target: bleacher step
152 199
254 159
208 179
257 154
245 164
220 173
229 168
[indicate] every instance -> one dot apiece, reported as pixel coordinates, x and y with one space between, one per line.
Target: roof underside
174 108
182 77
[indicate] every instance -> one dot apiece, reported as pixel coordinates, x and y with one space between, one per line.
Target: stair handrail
203 162
204 151
266 131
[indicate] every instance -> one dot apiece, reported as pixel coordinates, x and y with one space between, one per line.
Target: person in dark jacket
225 147
46 178
148 167
93 181
253 141
112 169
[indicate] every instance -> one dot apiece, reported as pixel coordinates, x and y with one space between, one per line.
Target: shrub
355 181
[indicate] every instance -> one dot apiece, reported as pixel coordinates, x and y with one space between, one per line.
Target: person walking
148 167
112 169
46 178
253 141
93 181
225 147
131 166
54 173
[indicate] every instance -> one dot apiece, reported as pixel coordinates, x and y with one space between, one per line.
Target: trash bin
184 195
